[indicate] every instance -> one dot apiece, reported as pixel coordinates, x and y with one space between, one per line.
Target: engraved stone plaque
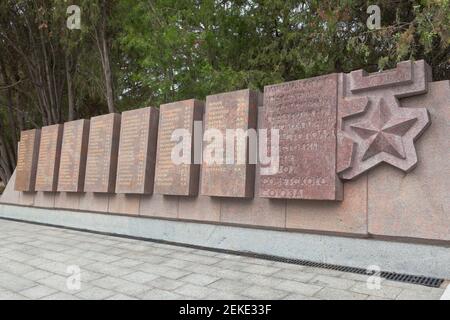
177 176
49 156
72 165
226 175
27 159
304 112
137 151
101 163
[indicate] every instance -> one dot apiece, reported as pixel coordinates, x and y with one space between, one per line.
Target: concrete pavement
41 262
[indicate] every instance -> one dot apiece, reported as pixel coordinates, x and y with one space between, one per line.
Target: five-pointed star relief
384 132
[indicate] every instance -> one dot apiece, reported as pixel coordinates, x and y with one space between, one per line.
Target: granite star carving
386 134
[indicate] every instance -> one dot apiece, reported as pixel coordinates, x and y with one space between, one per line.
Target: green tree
130 54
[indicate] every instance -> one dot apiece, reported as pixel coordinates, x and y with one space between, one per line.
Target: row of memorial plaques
133 152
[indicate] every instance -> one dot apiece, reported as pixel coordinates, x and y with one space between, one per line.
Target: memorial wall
348 158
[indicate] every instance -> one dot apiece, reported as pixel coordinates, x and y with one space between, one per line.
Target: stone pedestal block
346 217
96 202
201 208
304 114
254 212
228 171
178 176
124 204
72 166
101 164
27 160
137 151
44 199
417 204
159 206
67 200
26 198
49 157
9 195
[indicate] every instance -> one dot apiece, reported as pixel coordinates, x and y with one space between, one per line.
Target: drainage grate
399 277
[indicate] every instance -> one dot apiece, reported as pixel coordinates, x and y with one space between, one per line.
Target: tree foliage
130 54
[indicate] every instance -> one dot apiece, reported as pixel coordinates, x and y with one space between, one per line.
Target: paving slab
34 263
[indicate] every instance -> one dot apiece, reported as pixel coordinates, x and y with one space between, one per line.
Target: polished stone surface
304 113
386 203
124 204
417 204
27 160
158 205
101 164
10 195
68 200
49 157
137 151
201 208
229 111
44 199
94 202
370 116
72 167
348 216
177 176
257 211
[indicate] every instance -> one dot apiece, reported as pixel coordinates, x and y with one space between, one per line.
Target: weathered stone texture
49 157
373 128
137 151
177 176
101 164
72 166
44 199
340 217
417 204
235 177
27 160
304 112
124 204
